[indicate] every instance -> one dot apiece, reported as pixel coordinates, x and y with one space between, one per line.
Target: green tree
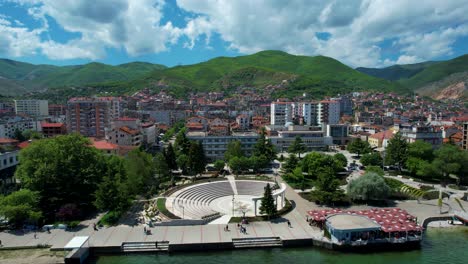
196 158
264 147
162 170
219 165
234 149
449 159
170 156
63 169
258 162
315 163
239 165
139 167
341 159
268 206
359 147
182 163
422 150
297 147
375 169
327 189
182 143
291 163
18 135
397 151
368 187
371 159
112 193
20 207
31 134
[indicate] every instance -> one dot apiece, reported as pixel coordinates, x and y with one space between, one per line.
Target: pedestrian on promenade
307 218
35 236
156 244
48 230
227 228
289 224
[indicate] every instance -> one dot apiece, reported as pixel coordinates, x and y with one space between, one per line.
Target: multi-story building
314 138
243 121
53 129
339 133
328 112
216 146
465 136
90 116
32 107
308 111
281 113
420 132
57 110
9 127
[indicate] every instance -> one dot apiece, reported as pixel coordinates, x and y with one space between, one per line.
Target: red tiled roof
52 124
129 130
24 144
104 145
126 118
8 141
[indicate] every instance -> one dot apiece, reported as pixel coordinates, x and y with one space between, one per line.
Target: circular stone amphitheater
230 198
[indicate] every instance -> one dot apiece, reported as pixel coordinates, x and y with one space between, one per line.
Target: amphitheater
225 198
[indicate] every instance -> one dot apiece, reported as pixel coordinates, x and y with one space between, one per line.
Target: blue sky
371 33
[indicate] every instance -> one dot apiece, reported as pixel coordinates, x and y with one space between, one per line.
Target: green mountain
440 80
318 76
396 72
19 77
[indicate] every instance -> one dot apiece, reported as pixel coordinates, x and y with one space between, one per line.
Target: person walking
289 224
227 228
1 245
35 236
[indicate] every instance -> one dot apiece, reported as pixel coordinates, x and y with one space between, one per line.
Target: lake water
449 245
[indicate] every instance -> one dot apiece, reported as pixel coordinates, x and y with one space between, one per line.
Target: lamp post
233 205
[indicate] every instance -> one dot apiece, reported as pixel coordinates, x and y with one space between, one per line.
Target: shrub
111 218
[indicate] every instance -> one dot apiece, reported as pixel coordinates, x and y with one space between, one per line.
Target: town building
420 132
281 113
216 146
328 112
90 116
32 107
53 129
339 133
313 138
380 139
308 111
8 127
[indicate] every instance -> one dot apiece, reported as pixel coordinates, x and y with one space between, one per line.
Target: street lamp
233 205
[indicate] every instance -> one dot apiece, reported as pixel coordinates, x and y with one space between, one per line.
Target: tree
339 157
268 206
297 147
162 170
31 134
420 149
239 165
369 186
327 189
371 159
359 147
258 162
219 165
397 151
170 156
182 162
112 192
449 159
264 147
20 207
196 158
63 170
234 149
18 135
139 167
315 163
291 163
182 143
375 169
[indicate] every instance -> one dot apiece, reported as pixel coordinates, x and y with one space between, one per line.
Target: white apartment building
32 107
328 112
215 146
308 111
281 113
8 127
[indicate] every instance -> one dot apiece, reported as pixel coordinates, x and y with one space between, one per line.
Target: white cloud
421 30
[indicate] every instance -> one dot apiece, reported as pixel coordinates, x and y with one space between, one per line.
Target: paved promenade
213 233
